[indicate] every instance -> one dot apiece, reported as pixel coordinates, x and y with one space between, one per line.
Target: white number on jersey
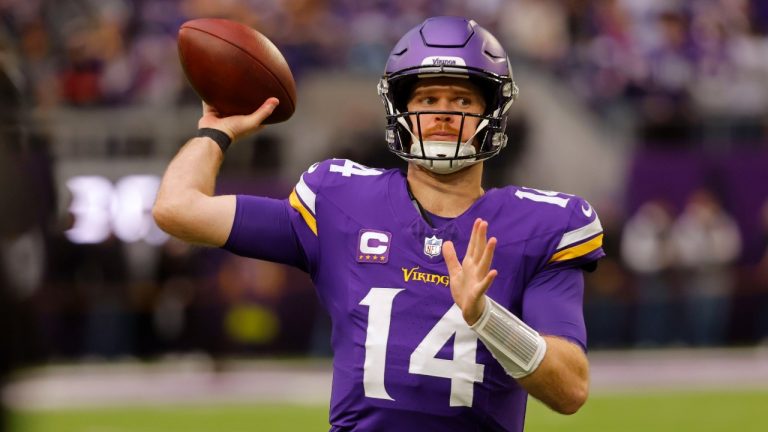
543 196
461 370
353 168
424 359
379 302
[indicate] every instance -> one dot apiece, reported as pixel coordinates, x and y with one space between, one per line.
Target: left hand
471 278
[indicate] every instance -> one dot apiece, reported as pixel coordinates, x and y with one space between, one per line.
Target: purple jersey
404 359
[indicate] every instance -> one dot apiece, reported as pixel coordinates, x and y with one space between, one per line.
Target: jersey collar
409 218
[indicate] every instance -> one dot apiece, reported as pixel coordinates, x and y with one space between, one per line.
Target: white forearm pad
517 347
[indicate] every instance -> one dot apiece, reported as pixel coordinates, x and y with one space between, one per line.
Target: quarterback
450 304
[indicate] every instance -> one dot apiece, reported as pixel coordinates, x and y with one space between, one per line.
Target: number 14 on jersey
462 370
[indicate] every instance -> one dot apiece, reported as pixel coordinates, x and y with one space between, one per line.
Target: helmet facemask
444 157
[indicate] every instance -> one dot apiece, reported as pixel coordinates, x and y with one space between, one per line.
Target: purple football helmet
447 47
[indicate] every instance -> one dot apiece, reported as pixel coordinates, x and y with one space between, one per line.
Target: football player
449 303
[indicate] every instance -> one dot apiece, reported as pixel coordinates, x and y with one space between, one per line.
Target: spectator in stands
647 251
35 45
707 242
666 107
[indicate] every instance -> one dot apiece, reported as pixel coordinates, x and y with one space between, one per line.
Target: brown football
234 68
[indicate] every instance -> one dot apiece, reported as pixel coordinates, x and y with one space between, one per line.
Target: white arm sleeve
516 346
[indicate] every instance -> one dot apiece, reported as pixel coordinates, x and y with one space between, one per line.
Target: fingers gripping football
471 277
237 126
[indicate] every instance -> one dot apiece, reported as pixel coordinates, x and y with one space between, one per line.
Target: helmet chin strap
443 150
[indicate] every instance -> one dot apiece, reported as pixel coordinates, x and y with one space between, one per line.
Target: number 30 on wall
123 209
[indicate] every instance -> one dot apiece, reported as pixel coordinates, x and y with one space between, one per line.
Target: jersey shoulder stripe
578 250
303 198
583 234
578 235
305 193
306 214
329 181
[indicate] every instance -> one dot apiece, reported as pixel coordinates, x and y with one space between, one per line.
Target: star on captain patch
432 246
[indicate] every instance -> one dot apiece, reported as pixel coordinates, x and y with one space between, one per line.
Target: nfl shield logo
433 246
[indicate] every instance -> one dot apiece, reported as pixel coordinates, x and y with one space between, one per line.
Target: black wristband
221 138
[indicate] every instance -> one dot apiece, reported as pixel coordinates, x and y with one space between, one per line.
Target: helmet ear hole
401 90
489 91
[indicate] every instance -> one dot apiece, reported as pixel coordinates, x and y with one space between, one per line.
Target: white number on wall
123 209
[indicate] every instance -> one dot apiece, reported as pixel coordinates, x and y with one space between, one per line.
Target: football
234 68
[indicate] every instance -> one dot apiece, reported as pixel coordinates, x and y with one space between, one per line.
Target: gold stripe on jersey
579 235
578 250
306 214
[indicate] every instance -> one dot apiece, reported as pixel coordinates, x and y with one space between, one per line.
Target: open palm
471 277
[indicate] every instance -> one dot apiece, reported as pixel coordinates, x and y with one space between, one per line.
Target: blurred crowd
680 71
687 72
680 277
690 75
701 245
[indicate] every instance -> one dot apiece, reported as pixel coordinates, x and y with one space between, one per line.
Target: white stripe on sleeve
306 194
583 233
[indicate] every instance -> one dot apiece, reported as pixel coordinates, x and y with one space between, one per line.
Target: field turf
655 412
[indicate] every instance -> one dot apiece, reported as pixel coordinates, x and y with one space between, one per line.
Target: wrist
221 138
482 317
476 315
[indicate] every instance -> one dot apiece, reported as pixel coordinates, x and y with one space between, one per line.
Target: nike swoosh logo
587 211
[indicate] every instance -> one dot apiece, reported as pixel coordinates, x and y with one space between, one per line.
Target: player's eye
428 100
464 102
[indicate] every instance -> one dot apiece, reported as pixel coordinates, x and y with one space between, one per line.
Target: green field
660 412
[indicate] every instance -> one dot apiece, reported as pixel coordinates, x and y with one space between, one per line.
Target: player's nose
444 117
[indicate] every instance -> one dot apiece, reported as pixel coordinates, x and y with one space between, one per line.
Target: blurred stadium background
654 110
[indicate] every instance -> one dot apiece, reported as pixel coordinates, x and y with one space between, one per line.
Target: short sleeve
283 231
553 304
580 244
303 198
